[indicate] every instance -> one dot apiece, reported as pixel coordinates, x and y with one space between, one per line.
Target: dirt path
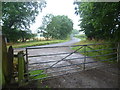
102 77
93 78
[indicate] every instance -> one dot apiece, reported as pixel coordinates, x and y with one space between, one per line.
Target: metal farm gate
46 62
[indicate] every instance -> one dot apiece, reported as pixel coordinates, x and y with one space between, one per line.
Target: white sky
57 7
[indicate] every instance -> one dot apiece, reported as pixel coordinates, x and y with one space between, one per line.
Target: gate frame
84 63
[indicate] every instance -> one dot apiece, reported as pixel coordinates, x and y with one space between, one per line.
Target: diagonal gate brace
65 57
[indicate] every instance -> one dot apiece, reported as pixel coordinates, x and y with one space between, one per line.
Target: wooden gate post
26 65
5 61
2 78
10 61
20 67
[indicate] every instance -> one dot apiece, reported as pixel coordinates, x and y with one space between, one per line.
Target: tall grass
97 47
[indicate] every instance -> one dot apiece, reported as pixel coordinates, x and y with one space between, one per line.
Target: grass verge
37 76
81 36
96 53
35 43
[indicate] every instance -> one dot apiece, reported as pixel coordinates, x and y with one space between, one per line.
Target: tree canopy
17 16
45 21
57 27
100 20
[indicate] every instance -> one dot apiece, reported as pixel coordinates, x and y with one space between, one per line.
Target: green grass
35 43
2 79
81 36
37 72
15 63
96 47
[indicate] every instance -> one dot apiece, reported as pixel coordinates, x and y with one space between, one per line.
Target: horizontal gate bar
56 61
54 47
73 58
69 53
66 46
56 71
48 55
73 64
102 55
101 49
66 73
63 74
55 75
41 62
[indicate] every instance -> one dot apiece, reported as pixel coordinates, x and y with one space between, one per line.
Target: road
72 41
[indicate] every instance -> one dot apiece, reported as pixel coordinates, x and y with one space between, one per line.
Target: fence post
118 52
26 71
84 56
20 67
5 61
10 61
2 77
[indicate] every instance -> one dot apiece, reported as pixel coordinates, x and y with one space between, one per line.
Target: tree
19 15
45 21
25 35
100 20
60 27
75 32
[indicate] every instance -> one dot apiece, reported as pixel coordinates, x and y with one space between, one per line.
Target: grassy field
34 43
96 47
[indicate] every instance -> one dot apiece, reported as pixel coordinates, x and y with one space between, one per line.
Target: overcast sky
57 7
